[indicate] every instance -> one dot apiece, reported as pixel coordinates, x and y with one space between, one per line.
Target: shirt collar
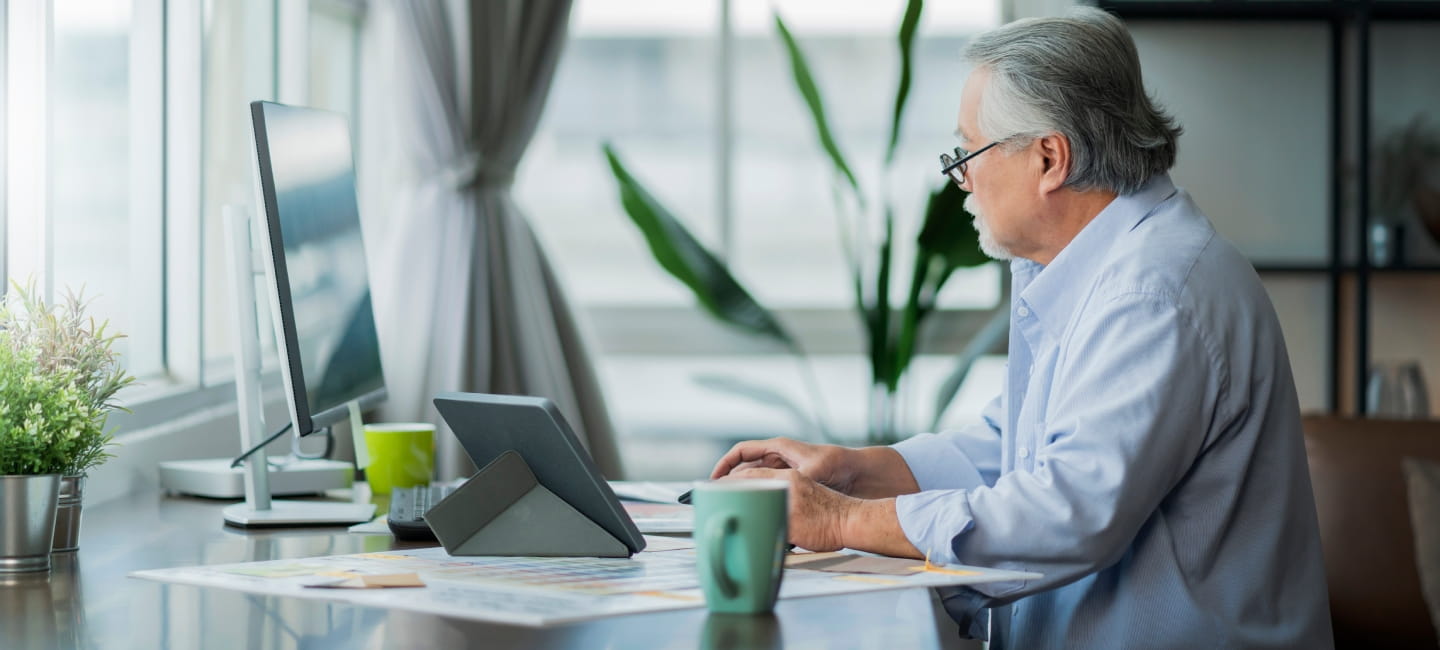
1050 292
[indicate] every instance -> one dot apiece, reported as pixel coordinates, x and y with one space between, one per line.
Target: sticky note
387 581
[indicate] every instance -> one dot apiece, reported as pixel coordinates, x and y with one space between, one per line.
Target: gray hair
1077 75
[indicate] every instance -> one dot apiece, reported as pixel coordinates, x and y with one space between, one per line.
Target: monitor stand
258 509
214 477
299 513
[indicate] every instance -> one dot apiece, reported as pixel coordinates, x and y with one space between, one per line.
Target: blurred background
125 134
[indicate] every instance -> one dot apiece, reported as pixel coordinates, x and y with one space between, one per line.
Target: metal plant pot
27 521
67 514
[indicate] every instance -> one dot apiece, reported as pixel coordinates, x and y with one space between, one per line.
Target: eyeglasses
954 166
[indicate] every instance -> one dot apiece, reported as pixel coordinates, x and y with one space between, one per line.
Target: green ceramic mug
401 455
740 532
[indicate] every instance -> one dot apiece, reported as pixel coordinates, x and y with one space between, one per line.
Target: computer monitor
319 294
315 258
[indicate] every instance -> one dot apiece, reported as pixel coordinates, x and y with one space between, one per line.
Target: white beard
987 240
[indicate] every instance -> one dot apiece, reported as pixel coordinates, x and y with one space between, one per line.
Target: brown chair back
1375 598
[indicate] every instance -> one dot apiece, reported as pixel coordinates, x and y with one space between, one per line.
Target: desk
87 600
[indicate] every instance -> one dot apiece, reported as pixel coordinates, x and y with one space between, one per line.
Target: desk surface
87 600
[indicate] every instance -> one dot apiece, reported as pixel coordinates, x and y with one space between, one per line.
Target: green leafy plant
946 242
59 375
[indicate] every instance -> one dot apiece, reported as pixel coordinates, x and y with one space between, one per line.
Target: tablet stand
504 510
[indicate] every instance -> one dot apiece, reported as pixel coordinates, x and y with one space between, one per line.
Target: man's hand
822 519
817 514
867 472
829 465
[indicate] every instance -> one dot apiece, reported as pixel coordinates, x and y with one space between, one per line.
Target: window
640 74
786 228
125 136
333 57
248 58
83 186
750 182
239 67
700 103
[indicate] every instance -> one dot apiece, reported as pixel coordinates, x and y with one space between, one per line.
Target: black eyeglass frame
948 164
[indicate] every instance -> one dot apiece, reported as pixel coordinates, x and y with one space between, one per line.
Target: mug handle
715 533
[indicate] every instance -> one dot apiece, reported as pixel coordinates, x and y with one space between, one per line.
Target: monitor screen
320 293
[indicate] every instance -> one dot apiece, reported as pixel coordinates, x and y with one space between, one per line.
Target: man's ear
1055 161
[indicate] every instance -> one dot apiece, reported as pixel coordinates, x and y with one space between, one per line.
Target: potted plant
29 471
945 243
58 384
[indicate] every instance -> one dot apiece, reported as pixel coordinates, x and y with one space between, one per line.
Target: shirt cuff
931 520
937 464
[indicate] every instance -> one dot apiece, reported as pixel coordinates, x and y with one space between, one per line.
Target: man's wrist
882 472
857 529
872 525
851 528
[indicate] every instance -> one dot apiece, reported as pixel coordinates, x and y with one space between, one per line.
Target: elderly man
1145 452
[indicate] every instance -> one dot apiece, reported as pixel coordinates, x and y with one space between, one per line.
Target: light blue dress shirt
1145 453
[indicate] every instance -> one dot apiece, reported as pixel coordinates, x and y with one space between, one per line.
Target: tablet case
487 426
504 510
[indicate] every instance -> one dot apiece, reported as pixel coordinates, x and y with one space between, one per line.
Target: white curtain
465 298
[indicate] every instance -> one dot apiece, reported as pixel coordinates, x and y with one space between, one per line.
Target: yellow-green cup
402 454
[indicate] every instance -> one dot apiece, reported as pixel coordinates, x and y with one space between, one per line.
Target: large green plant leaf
805 83
947 232
882 359
906 40
679 253
947 241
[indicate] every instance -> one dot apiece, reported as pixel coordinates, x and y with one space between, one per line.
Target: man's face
997 180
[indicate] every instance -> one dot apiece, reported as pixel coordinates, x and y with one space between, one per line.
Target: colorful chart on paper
533 591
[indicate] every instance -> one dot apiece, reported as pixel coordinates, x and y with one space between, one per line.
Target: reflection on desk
741 631
86 600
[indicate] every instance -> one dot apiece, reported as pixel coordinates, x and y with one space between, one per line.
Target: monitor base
214 478
299 513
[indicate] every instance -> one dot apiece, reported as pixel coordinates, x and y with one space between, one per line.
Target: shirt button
1022 311
1024 452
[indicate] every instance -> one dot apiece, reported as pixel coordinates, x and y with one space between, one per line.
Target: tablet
490 425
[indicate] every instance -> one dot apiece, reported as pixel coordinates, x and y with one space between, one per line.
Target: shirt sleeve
966 458
1127 411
